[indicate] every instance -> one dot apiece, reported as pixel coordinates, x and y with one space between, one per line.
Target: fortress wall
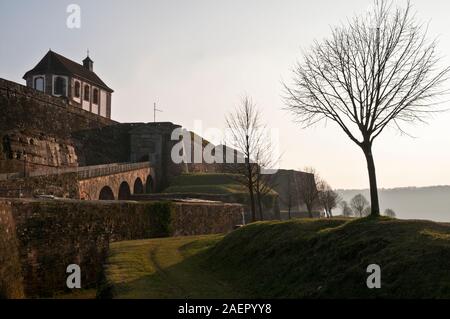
31 150
36 129
25 108
44 237
270 202
205 218
59 185
103 145
11 285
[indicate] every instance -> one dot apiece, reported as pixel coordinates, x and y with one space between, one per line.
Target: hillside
210 183
411 202
223 187
293 259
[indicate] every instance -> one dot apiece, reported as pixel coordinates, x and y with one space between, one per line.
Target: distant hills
431 203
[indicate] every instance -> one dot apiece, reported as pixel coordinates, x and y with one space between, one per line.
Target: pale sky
197 58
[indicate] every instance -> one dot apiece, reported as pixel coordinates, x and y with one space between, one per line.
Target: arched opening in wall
59 86
106 194
77 90
124 191
39 83
138 186
149 185
95 96
87 93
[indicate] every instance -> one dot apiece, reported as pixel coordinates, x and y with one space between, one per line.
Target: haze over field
432 203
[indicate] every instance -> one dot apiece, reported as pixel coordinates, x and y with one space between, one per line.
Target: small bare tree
366 212
308 187
245 128
389 213
375 72
358 204
328 198
346 210
264 161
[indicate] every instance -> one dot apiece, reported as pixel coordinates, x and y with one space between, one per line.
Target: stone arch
106 193
124 191
149 184
138 187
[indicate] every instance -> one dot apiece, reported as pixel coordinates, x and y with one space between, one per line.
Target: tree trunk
258 193
250 180
309 211
252 201
261 214
375 207
289 211
259 200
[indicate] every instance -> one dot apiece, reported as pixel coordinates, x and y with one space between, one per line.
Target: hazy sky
197 58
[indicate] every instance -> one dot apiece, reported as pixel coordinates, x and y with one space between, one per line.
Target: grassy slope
164 268
294 259
205 183
305 259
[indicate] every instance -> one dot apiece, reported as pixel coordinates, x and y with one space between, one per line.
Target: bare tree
245 124
358 204
377 71
390 213
366 212
309 186
264 161
328 198
346 210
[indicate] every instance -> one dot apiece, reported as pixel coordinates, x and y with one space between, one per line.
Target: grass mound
293 259
329 258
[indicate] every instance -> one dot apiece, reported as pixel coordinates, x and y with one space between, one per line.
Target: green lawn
165 268
291 259
206 183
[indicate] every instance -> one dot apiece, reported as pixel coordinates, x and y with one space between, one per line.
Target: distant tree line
360 207
317 194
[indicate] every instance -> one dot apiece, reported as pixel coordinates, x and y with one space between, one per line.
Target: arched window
95 96
77 88
138 186
124 191
87 93
39 83
59 86
106 193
